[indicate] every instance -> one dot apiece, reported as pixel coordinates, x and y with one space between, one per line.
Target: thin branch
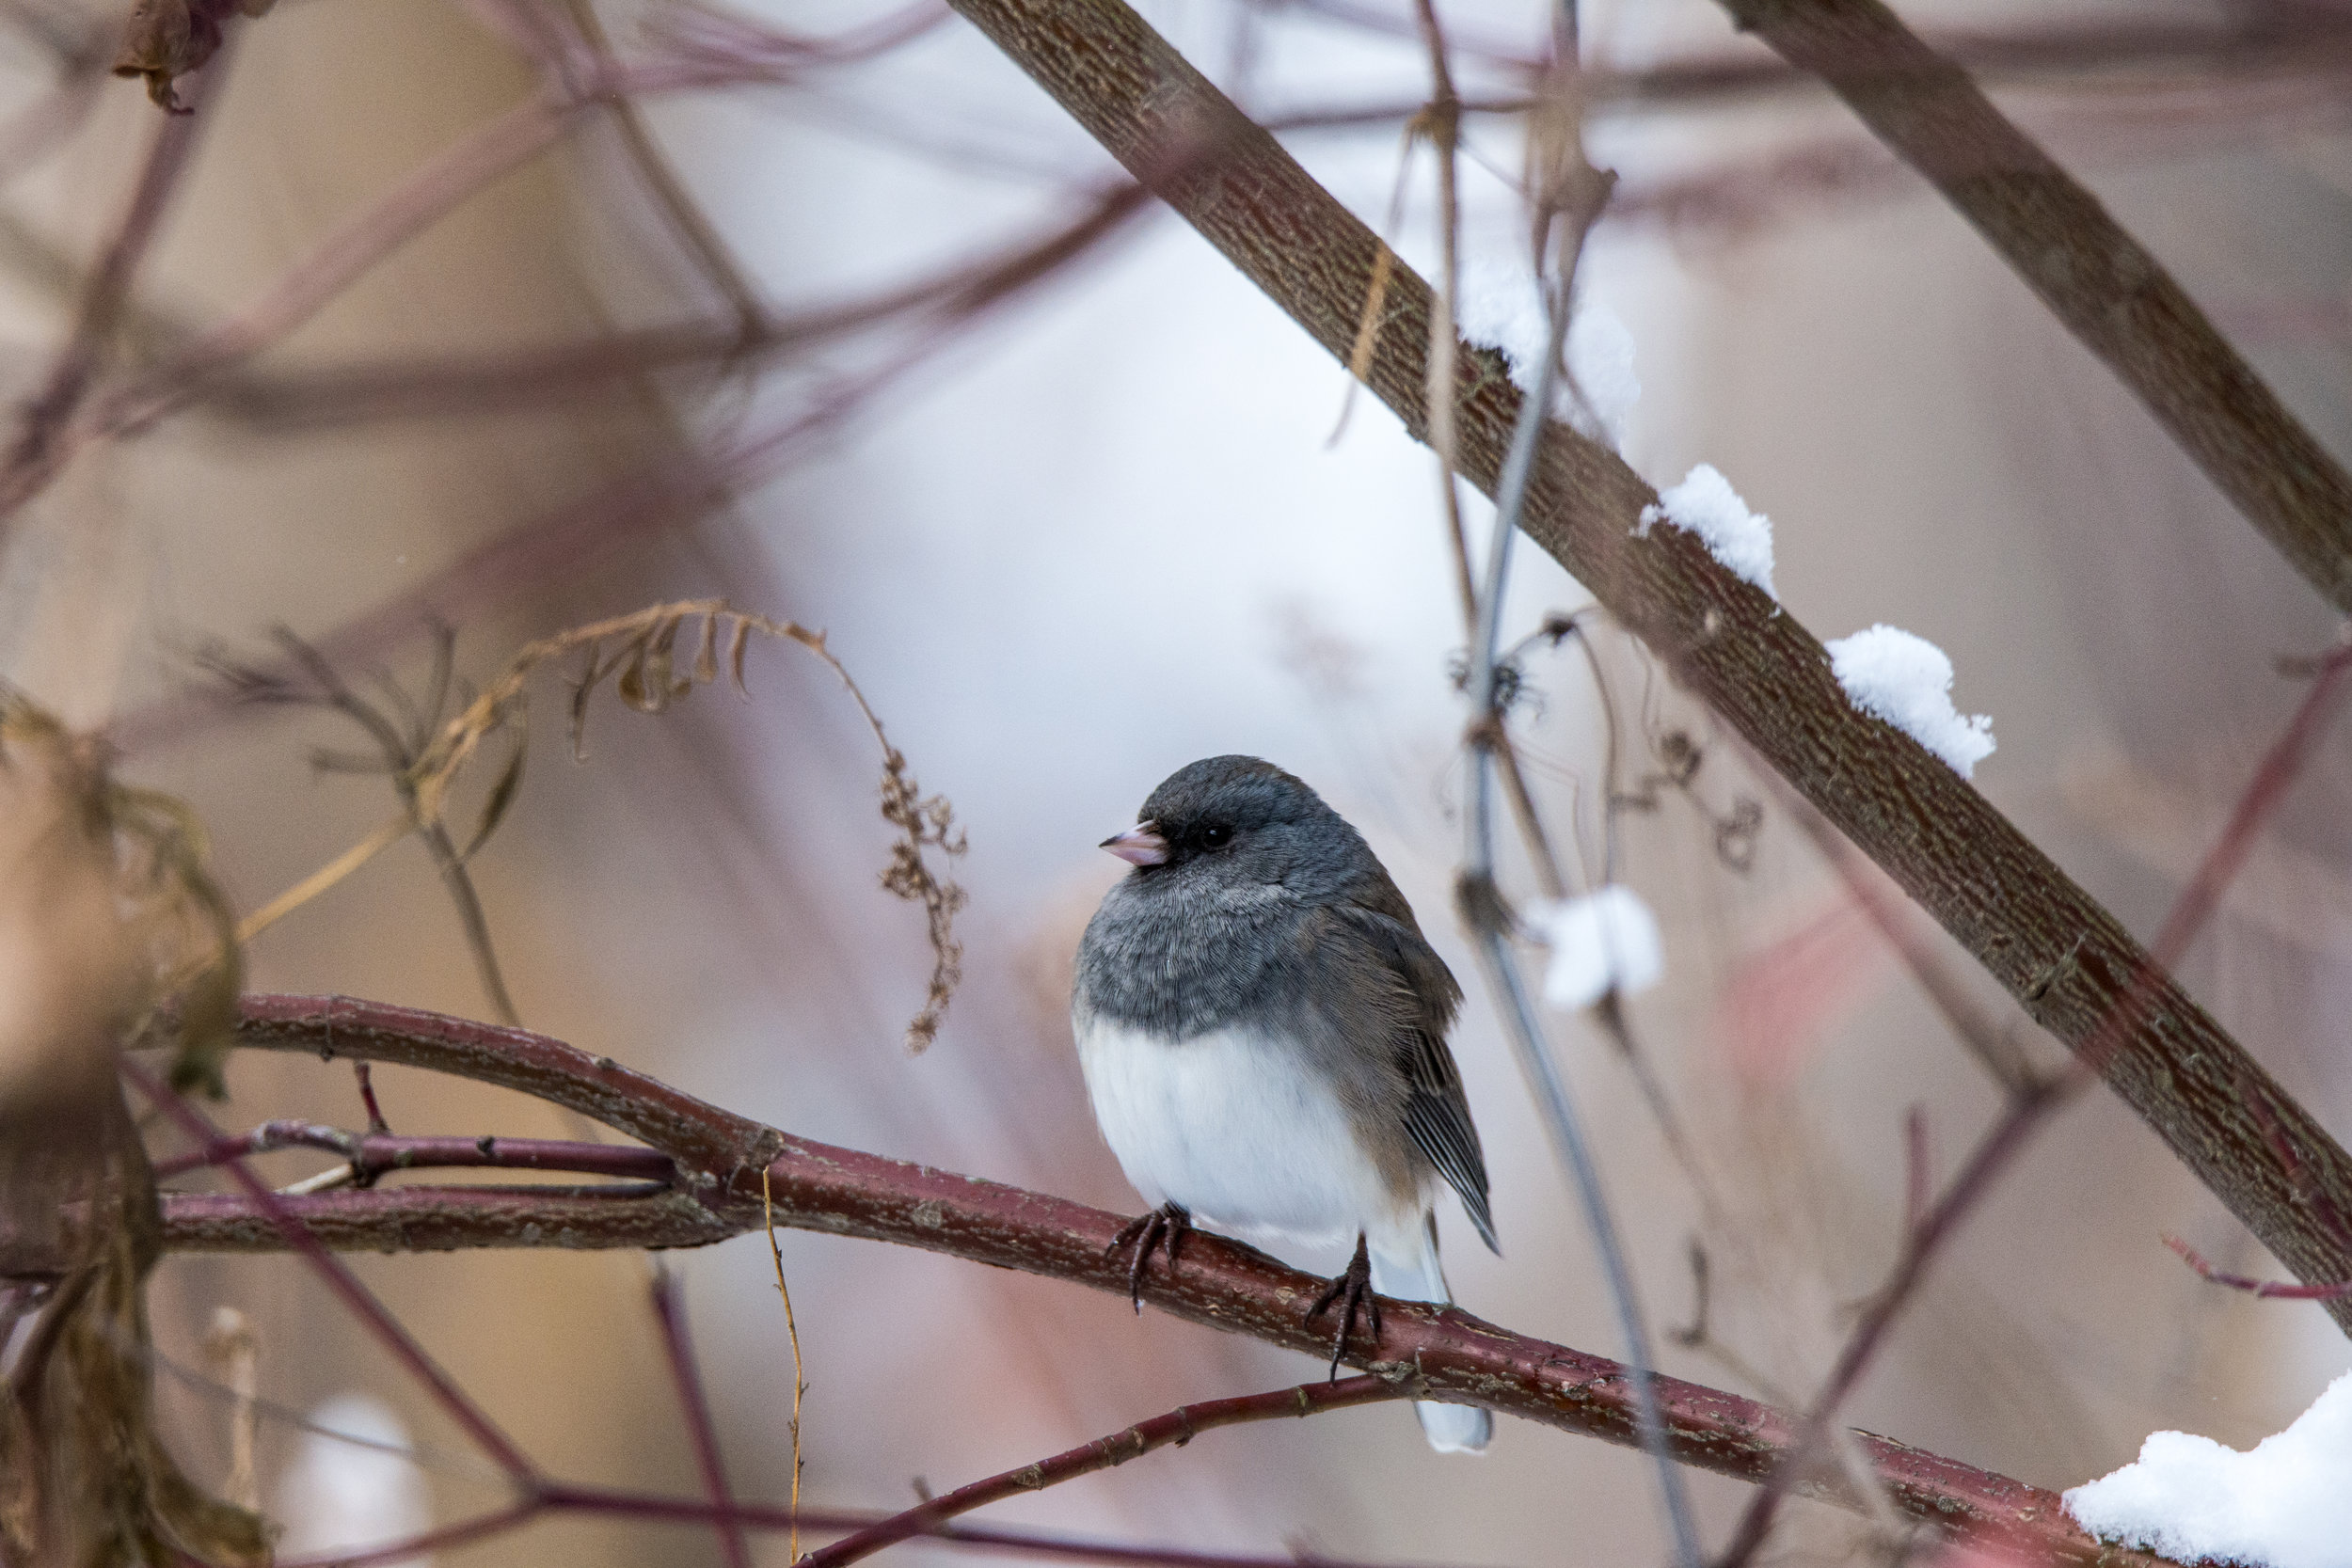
670 1309
1990 1040
640 1506
2268 1289
412 1548
2046 939
1479 902
355 1297
1442 121
2105 286
1440 1353
792 1333
1178 1426
40 446
374 1154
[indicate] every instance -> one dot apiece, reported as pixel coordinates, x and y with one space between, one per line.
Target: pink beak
1140 844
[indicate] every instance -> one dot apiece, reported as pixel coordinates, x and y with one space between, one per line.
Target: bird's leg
1352 1288
1167 1225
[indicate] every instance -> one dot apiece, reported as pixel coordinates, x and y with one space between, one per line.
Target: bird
1261 1027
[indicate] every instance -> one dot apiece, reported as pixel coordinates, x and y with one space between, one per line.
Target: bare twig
669 1310
792 1333
40 447
2268 1289
1441 122
374 1154
1177 1427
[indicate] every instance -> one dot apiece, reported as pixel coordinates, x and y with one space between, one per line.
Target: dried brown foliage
639 655
106 914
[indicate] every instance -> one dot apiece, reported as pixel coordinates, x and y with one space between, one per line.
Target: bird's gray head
1234 820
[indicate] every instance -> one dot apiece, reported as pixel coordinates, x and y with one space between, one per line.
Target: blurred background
1088 531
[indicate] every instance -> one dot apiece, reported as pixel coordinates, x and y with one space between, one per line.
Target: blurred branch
1994 1042
1424 1352
669 1308
1178 1427
2101 282
40 446
678 210
450 385
2053 946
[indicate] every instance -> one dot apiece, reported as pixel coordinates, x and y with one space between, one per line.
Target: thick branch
1427 1352
2111 294
2050 943
445 1219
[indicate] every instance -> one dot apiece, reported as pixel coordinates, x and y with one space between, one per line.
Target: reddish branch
669 1308
1426 1352
2063 956
2111 294
2267 1288
1178 1427
374 1154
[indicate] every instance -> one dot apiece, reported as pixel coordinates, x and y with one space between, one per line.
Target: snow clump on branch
1906 680
1499 307
2285 1503
1706 505
1603 942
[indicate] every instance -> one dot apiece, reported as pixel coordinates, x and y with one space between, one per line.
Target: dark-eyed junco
1263 1030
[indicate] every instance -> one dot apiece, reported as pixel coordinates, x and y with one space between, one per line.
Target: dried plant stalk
638 654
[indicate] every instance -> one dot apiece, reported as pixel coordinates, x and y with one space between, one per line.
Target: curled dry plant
641 655
108 926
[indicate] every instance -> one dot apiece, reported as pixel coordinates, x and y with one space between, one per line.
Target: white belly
1229 1129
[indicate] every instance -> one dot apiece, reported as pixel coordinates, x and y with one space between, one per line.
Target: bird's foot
1352 1288
1163 1226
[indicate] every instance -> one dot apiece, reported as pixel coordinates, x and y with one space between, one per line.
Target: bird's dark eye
1216 835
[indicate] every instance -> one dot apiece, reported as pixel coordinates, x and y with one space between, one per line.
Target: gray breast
1179 961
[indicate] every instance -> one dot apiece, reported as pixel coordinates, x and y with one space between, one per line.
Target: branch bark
1426 1352
2063 956
2114 296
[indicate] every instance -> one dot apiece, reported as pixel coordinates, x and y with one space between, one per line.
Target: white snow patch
1704 504
1603 939
1906 680
1501 308
340 1495
2286 1503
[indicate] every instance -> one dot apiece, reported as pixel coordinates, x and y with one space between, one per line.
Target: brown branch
449 1219
2113 296
1178 1427
1427 1352
2044 938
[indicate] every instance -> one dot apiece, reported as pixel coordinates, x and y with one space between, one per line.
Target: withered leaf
707 661
501 795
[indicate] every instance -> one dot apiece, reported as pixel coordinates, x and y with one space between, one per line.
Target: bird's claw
1352 1288
1165 1226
